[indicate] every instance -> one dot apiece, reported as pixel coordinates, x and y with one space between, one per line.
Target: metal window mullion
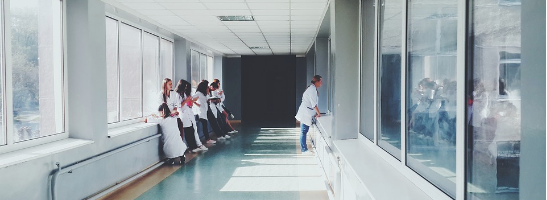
142 73
376 66
460 102
404 67
118 70
4 20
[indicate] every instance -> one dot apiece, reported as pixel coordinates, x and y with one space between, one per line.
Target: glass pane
494 102
166 59
37 68
195 69
210 69
431 89
112 89
151 79
130 72
202 67
368 29
391 22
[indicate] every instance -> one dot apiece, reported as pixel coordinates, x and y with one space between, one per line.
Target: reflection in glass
202 67
36 59
494 102
130 72
391 21
151 68
431 90
112 89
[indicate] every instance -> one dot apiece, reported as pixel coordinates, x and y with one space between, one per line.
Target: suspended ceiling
280 27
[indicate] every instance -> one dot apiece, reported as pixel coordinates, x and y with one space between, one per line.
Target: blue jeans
303 132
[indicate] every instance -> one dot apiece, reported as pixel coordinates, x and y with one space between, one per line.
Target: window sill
324 124
32 153
379 185
118 131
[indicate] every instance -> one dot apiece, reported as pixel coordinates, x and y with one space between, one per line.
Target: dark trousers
188 133
222 122
214 124
204 126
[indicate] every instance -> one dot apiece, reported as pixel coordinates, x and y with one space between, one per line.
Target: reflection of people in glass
433 114
308 110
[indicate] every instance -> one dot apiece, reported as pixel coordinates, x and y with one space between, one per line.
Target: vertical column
345 69
86 69
322 68
182 59
532 160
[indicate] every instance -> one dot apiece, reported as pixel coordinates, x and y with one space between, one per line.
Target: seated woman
173 147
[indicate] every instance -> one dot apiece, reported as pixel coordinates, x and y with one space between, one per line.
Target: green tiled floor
254 164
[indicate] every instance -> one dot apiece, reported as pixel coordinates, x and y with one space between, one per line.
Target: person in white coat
308 110
165 96
185 102
173 147
200 109
221 107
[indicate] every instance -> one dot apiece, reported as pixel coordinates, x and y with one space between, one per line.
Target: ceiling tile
158 12
226 6
308 6
268 6
270 18
271 12
317 13
230 12
137 6
192 12
184 6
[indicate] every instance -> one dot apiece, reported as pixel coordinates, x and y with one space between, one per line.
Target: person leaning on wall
308 110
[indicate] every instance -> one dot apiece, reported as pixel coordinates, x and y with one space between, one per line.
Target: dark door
268 90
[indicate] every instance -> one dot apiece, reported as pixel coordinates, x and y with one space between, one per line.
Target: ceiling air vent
236 18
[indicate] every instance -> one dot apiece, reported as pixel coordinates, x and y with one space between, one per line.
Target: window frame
461 57
7 85
143 30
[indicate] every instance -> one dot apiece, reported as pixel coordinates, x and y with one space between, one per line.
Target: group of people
180 113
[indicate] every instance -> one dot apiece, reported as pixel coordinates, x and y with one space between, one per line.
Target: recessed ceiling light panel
258 47
236 18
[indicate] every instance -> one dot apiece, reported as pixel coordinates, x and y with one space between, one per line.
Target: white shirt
306 111
186 114
201 110
169 100
172 143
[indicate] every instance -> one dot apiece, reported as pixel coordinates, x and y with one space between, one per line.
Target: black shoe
182 160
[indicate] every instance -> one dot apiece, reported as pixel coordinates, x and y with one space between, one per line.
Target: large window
201 68
494 108
36 63
137 61
389 75
431 91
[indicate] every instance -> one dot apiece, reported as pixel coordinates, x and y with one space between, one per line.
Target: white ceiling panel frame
184 6
226 6
271 12
307 6
271 18
141 6
230 12
317 13
306 17
238 23
182 12
156 12
268 6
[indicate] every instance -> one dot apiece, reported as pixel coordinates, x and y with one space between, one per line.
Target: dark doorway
268 86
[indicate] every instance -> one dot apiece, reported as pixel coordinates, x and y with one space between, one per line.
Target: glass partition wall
423 92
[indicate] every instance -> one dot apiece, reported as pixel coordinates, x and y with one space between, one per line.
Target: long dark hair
164 88
166 112
183 88
202 87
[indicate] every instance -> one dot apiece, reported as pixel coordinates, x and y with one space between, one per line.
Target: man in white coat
308 110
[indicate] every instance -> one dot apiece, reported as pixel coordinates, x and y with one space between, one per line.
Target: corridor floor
256 163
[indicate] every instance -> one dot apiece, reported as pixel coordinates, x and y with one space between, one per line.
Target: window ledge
32 153
114 132
377 175
324 123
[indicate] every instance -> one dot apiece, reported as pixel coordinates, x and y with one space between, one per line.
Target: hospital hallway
256 163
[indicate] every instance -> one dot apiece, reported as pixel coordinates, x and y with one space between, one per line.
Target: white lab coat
201 110
170 100
172 144
187 117
306 111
